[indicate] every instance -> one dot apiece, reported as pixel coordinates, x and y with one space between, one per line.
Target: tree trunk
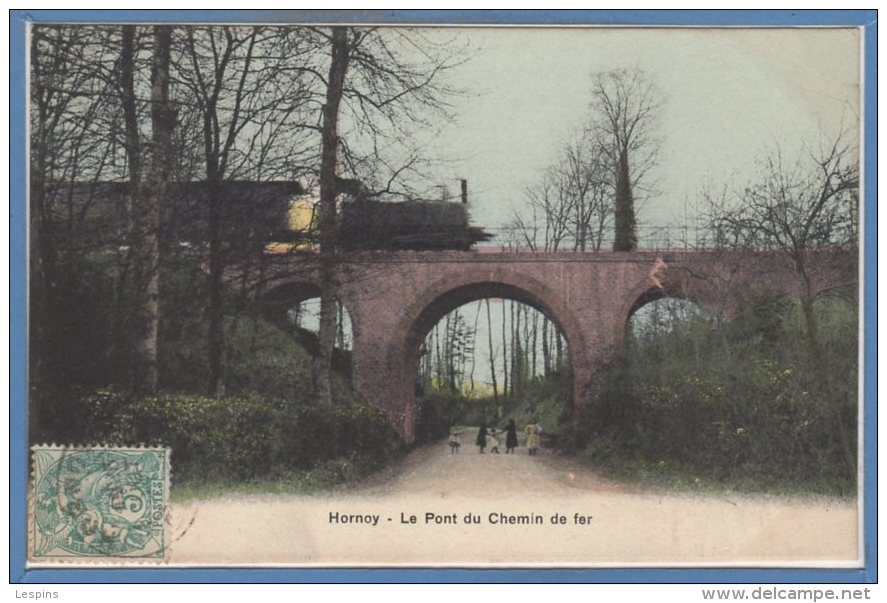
473 349
130 117
39 254
340 325
215 335
515 347
146 213
453 352
505 355
546 354
492 357
327 220
449 349
137 364
533 336
439 363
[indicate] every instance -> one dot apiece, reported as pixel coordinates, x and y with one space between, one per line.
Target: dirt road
437 509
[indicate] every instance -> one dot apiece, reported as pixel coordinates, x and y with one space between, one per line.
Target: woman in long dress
510 437
481 440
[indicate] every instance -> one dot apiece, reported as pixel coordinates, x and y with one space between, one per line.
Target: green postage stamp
97 504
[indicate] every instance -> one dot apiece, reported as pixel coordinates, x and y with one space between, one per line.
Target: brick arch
453 291
589 295
699 292
297 291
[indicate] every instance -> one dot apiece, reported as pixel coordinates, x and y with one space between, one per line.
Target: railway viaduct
395 298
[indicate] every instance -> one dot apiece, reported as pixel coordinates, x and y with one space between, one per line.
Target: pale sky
728 95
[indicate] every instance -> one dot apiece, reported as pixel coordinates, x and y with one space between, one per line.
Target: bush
436 413
247 439
547 401
312 435
741 404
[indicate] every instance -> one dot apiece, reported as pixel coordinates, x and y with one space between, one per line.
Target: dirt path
428 471
528 510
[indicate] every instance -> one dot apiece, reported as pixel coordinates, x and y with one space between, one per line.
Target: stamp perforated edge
32 562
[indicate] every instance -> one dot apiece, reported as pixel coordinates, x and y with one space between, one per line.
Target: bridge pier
382 381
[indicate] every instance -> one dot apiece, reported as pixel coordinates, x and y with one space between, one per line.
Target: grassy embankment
265 433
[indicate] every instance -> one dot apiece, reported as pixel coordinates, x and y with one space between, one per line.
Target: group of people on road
490 438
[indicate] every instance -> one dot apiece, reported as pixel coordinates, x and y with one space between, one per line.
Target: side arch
698 291
291 292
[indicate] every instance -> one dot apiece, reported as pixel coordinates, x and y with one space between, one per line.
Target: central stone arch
455 290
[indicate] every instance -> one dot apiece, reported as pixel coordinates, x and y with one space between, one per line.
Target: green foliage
259 357
79 325
625 220
209 437
266 429
78 340
316 435
545 400
479 411
246 439
436 413
739 404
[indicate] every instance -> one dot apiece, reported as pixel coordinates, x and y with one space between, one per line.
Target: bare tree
797 207
453 342
624 104
379 86
340 56
146 198
73 107
505 371
244 102
546 225
573 203
585 177
474 349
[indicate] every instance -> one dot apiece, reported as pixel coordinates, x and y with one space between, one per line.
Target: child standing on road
493 441
454 442
532 430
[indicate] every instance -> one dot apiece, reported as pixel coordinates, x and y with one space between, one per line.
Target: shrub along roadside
245 440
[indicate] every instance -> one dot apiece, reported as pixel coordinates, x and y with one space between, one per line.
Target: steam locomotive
410 225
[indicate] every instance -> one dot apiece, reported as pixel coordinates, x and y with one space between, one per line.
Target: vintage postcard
344 294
